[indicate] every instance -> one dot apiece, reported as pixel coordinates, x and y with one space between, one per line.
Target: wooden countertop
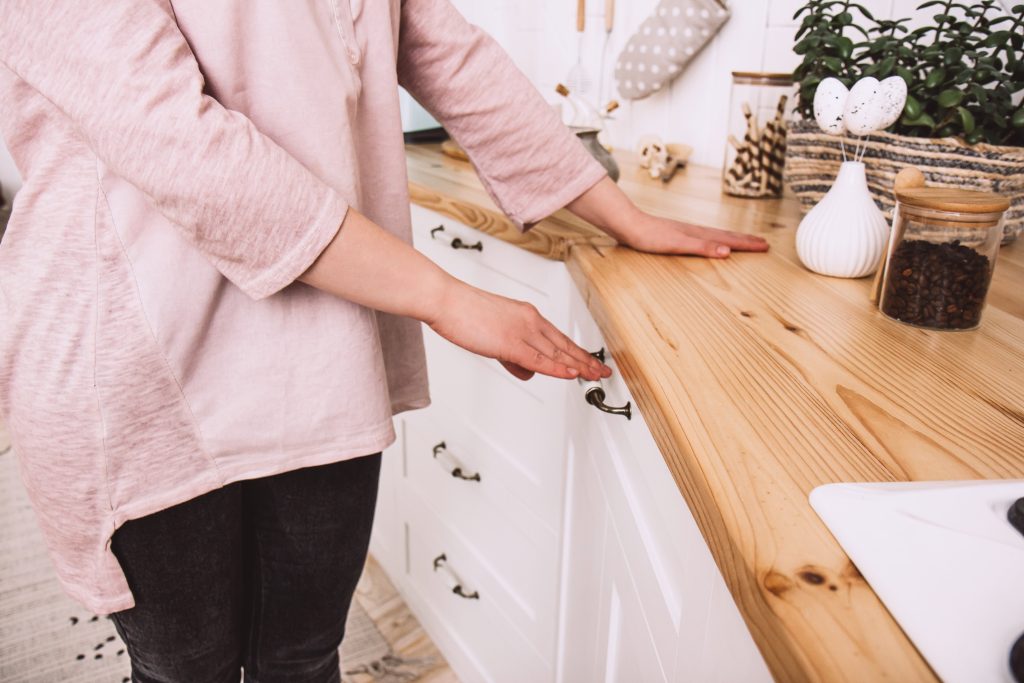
761 380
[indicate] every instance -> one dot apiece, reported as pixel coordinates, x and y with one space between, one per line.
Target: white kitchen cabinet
662 612
480 479
563 520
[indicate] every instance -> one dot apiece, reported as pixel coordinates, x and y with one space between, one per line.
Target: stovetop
947 560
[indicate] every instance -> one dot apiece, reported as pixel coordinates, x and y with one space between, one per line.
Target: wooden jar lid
959 201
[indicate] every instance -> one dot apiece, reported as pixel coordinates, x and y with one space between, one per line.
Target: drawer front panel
484 625
507 484
663 547
498 267
526 418
508 542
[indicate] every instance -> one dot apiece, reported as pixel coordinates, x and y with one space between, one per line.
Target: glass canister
760 105
942 253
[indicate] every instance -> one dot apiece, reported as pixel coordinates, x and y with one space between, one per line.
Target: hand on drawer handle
594 395
451 465
599 354
439 233
441 564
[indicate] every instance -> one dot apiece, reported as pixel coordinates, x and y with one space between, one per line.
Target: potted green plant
963 124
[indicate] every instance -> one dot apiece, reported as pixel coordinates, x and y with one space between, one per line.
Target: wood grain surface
761 380
452 188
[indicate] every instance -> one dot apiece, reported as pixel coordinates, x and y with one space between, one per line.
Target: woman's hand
658 235
371 267
608 207
512 332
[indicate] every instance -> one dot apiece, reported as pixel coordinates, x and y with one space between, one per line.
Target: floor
381 601
397 624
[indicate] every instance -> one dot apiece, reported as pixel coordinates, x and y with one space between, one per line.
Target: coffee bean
937 285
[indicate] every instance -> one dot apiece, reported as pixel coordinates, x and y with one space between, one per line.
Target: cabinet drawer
482 626
527 418
509 541
664 549
530 497
499 267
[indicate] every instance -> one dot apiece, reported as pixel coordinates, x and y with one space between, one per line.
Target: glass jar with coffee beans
941 256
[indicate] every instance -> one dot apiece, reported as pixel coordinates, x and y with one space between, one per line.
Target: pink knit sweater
184 162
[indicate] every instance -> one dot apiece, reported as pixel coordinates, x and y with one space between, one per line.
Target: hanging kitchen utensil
579 81
609 26
665 43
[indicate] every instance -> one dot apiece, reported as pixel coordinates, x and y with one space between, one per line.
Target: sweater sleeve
529 162
124 75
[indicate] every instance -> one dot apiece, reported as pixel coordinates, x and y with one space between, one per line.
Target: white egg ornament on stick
830 105
893 92
874 105
845 234
863 111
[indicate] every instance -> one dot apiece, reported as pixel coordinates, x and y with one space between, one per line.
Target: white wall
540 35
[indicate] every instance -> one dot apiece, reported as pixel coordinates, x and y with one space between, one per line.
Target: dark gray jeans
257 575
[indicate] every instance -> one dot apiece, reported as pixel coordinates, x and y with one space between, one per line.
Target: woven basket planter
813 159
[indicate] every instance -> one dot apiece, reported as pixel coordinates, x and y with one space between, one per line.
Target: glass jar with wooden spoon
941 256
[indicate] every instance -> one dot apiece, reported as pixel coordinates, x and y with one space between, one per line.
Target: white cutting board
944 560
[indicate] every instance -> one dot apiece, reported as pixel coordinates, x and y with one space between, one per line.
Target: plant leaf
922 120
1018 116
912 109
949 98
935 76
966 118
845 47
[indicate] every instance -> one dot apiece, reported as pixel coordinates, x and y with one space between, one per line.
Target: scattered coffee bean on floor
937 285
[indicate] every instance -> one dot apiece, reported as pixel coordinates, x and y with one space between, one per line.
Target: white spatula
579 81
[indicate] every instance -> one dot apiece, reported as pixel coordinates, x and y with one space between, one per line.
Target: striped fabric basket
813 158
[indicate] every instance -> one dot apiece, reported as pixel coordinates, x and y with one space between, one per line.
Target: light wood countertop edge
813 617
802 631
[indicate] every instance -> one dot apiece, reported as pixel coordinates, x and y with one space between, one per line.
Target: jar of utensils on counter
760 106
941 256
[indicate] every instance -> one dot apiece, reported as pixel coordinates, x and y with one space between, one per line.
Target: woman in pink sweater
212 310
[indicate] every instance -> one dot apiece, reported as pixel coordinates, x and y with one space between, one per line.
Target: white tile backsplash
540 35
694 109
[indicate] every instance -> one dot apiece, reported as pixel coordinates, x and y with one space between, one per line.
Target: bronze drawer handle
456 242
594 395
441 564
451 465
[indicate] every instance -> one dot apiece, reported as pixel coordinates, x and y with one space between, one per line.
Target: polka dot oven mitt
665 43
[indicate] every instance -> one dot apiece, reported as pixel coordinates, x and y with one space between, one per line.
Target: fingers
550 341
734 240
566 347
685 244
517 371
545 349
531 359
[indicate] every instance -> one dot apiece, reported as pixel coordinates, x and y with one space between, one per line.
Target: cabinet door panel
489 645
386 541
508 541
630 655
580 658
524 421
499 267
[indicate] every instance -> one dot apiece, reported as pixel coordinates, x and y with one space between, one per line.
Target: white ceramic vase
846 233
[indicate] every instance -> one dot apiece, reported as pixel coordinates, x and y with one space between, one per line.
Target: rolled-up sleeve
124 75
529 162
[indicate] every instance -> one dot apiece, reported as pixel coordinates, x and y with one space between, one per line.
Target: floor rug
45 637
